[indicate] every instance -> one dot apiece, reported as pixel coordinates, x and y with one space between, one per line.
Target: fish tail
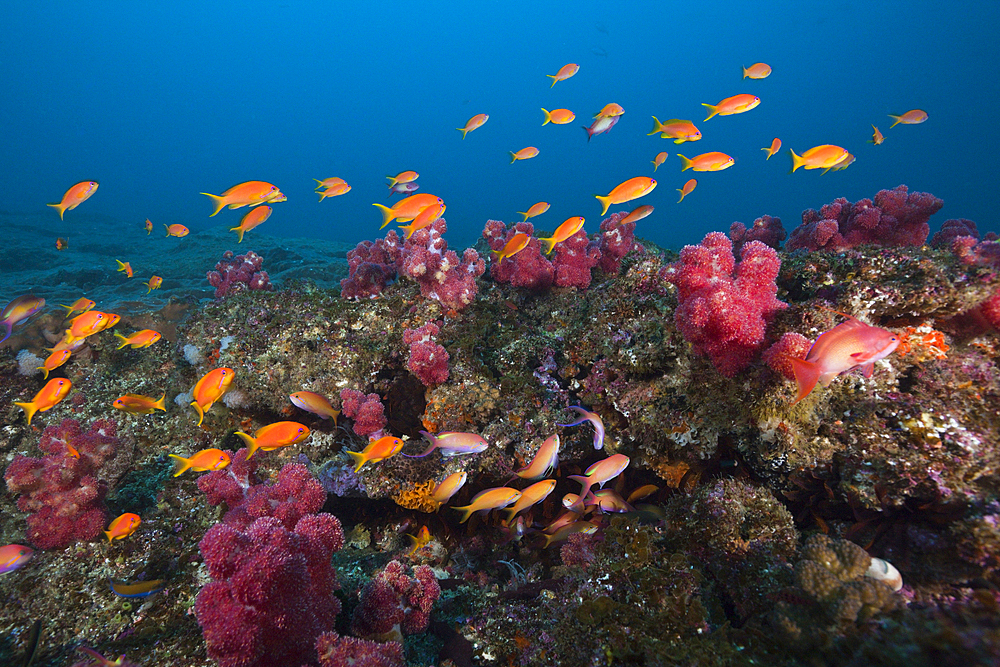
525 214
62 208
239 230
605 202
548 117
10 330
249 441
409 231
685 163
124 339
180 464
655 165
682 195
107 534
463 131
466 512
217 201
392 179
319 183
510 511
388 215
551 76
589 133
806 376
585 484
29 409
513 157
550 242
159 405
657 126
359 458
898 118
744 72
797 161
121 265
45 372
201 413
712 110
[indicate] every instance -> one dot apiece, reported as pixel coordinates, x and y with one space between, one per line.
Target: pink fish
601 472
452 443
19 310
403 188
601 125
14 556
593 418
846 346
546 460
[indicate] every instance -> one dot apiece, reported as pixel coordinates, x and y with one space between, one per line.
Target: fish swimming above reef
14 556
377 450
452 443
206 459
18 311
75 196
251 193
47 397
273 436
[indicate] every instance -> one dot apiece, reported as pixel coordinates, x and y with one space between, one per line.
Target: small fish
178 230
139 589
532 495
676 129
546 460
101 660
122 527
54 361
659 159
138 404
914 117
732 105
81 305
713 161
410 176
848 345
631 189
61 244
425 219
210 388
138 340
14 556
206 459
642 492
473 123
593 418
757 71
328 183
403 188
19 310
420 540
125 267
523 154
601 472
89 323
314 403
536 209
601 125
565 72
610 110
75 196
687 189
608 500
377 450
558 116
637 214
448 487
154 283
273 436
489 499
335 191
877 137
251 193
773 148
516 244
819 157
253 218
407 209
148 226
585 527
47 397
452 443
568 228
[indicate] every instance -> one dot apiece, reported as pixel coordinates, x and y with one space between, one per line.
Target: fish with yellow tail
594 419
659 159
714 161
536 209
254 218
420 540
81 305
823 156
314 403
633 188
407 209
473 123
448 487
757 71
18 311
210 388
851 344
452 443
488 500
732 105
514 245
54 361
402 177
75 196
531 495
47 397
138 340
599 473
524 154
250 193
687 189
877 137
273 436
773 148
561 535
377 450
154 283
914 117
206 459
558 116
545 461
568 228
177 230
676 129
122 527
328 183
565 72
148 226
138 404
425 219
124 267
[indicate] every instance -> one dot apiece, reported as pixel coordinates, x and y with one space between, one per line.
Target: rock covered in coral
337 651
234 274
394 604
427 360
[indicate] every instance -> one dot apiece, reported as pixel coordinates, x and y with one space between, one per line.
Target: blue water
161 101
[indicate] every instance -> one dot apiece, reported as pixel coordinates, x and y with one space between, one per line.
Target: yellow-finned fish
206 459
47 397
138 404
377 450
273 436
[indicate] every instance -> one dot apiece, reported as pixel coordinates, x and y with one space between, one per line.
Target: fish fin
463 131
201 413
867 369
159 405
898 118
239 230
513 156
589 133
387 214
180 464
29 408
682 195
744 72
118 335
551 76
249 441
550 242
711 109
59 207
796 161
107 534
806 376
605 202
359 458
217 201
685 162
657 126
409 231
466 512
321 182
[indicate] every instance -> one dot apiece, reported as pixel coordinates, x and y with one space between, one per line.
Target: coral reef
337 651
235 274
394 604
367 412
428 360
765 229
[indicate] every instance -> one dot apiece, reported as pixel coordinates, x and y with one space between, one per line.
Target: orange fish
449 487
631 189
335 191
523 154
210 388
585 527
558 116
419 541
314 403
125 267
377 450
848 345
253 218
532 495
877 137
89 323
328 183
13 556
122 527
410 176
732 105
914 117
819 157
407 209
154 283
179 230
757 71
658 160
536 209
686 190
713 161
138 404
773 148
206 459
637 214
610 110
567 229
47 397
489 499
546 460
251 193
139 339
676 129
426 217
516 244
61 243
473 123
54 361
81 305
273 436
148 226
565 72
75 196
601 472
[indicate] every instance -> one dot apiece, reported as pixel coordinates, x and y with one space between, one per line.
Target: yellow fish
137 404
536 209
377 450
273 436
489 499
75 196
47 397
473 123
206 459
125 267
419 541
139 339
251 193
81 305
314 403
567 229
154 283
210 388
54 361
